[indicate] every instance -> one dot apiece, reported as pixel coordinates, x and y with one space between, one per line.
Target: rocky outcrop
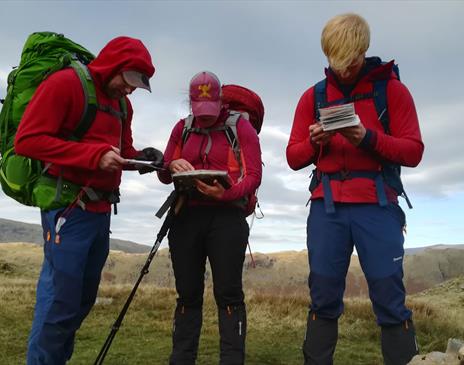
454 355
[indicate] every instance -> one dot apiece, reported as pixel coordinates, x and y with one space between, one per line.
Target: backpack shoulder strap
379 95
232 136
231 129
391 171
187 128
320 96
380 101
123 108
90 104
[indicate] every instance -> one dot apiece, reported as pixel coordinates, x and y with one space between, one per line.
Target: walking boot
232 332
399 343
320 340
185 335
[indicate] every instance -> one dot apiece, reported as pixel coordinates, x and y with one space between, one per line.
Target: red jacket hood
374 70
121 54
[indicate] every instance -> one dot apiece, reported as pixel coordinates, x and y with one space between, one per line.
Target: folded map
184 181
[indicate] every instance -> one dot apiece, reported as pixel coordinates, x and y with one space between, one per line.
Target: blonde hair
344 38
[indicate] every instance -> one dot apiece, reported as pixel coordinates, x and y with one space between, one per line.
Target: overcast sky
272 47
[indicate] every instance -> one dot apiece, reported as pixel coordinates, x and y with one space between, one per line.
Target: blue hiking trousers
377 234
68 282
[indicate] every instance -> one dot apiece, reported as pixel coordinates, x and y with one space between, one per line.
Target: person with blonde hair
355 187
344 40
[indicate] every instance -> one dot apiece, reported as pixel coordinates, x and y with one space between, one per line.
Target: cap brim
200 108
136 79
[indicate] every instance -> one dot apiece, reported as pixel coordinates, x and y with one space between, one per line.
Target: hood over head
119 55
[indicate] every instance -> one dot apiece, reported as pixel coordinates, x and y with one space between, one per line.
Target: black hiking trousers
219 233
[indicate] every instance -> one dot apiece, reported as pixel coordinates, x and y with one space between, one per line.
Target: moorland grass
276 326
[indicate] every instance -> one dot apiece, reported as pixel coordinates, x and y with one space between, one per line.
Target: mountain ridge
15 231
268 274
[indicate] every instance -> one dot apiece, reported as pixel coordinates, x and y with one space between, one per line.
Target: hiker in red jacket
354 189
77 237
212 223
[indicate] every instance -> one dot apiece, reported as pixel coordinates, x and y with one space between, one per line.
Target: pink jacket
220 157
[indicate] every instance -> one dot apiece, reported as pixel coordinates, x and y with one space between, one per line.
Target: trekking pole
161 234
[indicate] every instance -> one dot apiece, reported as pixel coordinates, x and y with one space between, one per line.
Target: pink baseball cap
205 94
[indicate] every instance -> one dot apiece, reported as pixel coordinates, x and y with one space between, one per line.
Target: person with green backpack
82 156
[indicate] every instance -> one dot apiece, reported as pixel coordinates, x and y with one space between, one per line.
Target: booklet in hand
185 181
338 116
140 163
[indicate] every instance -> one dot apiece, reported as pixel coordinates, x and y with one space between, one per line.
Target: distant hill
416 250
288 271
284 273
14 231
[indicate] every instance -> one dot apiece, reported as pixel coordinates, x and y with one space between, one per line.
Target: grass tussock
276 326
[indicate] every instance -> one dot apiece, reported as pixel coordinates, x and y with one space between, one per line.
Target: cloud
273 48
442 168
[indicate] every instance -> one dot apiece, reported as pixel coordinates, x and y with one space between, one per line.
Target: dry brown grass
276 313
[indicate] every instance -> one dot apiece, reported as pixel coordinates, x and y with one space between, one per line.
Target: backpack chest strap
110 110
206 132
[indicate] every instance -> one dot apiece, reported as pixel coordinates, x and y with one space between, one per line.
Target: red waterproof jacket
56 108
220 157
403 146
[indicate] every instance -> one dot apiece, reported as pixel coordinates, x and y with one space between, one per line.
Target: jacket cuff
313 145
369 141
228 195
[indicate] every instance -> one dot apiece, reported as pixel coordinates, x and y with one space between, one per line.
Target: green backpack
22 178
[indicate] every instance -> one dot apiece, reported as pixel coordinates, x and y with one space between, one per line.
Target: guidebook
338 116
184 181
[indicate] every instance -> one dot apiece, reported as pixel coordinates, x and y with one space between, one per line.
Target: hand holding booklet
185 181
338 116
